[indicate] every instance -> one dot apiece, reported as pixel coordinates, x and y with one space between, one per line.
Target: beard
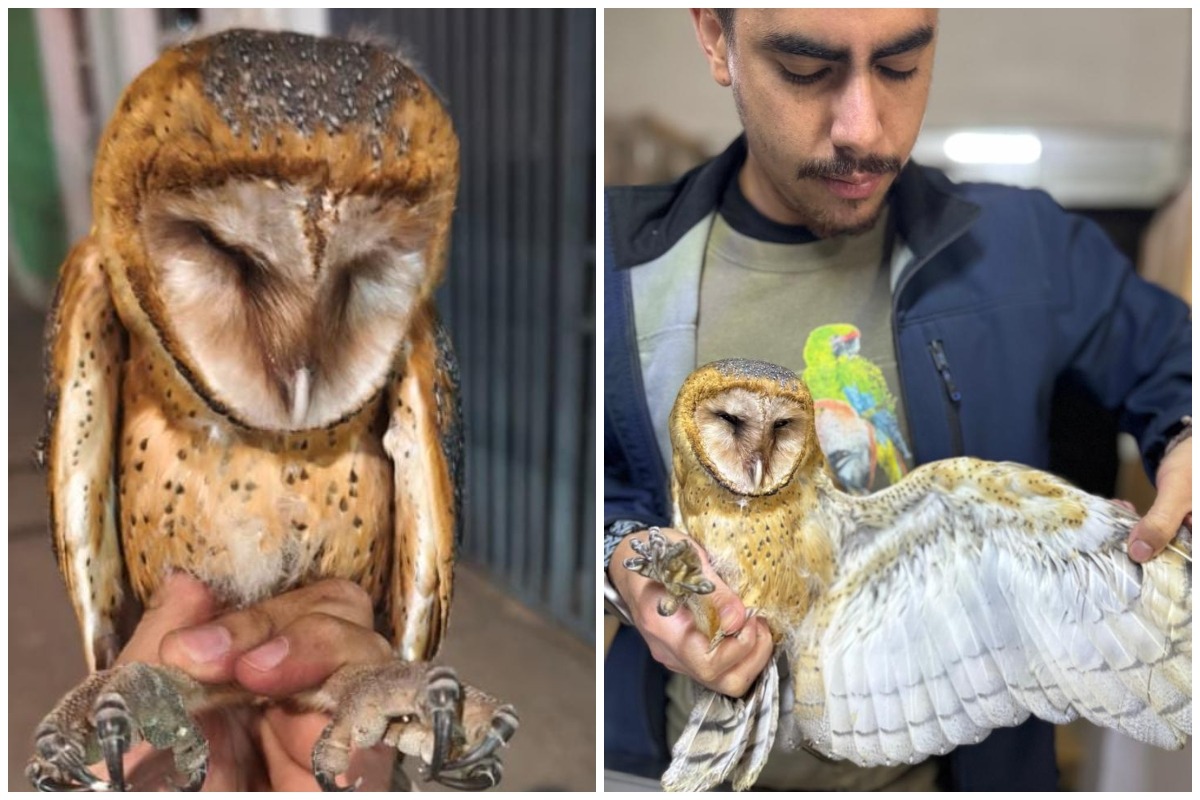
825 223
839 217
823 214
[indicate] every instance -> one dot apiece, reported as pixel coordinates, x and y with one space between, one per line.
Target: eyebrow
798 45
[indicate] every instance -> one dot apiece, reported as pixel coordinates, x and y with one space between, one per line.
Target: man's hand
1172 508
678 644
277 648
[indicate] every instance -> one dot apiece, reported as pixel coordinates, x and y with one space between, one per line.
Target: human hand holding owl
326 626
1172 507
680 642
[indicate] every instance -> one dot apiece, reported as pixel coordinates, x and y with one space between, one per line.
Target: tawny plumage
961 599
247 379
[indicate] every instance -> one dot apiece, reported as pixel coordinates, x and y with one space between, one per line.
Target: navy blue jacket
1006 296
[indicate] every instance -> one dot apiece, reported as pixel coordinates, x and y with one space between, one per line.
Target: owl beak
299 392
758 472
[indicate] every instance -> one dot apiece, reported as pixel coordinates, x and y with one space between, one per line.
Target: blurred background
1102 96
519 301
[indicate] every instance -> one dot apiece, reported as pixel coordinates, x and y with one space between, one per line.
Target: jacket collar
647 221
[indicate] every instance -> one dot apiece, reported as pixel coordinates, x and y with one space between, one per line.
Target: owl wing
85 348
424 442
974 594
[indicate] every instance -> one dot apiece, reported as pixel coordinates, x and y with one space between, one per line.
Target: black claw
475 780
113 731
444 694
88 779
504 725
443 727
49 785
44 783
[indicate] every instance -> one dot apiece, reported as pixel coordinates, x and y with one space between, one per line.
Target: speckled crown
283 105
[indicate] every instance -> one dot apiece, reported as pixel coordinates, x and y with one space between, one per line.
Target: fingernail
205 643
269 655
1140 551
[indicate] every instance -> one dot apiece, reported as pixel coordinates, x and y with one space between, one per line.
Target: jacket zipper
905 276
953 396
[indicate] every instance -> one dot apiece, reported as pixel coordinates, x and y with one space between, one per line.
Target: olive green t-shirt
822 308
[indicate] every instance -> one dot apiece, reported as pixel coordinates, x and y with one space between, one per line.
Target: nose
856 124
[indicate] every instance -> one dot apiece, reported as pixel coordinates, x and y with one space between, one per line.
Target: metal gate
519 299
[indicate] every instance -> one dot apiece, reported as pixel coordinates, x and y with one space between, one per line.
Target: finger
306 653
287 743
1170 509
1154 531
286 739
735 662
741 676
208 653
692 654
181 601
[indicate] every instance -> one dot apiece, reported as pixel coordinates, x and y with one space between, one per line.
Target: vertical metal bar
521 277
475 138
500 267
541 203
473 374
568 303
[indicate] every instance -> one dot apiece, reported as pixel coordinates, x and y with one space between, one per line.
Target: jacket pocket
952 397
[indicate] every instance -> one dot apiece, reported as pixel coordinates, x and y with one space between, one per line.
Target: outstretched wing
85 349
424 442
973 594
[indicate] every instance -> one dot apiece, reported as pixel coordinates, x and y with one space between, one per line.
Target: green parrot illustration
835 371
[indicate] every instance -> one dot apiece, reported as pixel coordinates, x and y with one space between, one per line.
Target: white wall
1123 70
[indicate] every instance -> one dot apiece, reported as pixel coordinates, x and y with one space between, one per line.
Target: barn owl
961 599
248 382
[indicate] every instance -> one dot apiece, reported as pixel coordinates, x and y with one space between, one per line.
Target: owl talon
444 696
675 565
422 711
114 730
105 715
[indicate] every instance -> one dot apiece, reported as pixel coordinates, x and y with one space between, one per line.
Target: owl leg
421 710
677 567
109 712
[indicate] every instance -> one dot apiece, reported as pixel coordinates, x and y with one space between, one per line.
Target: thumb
728 606
180 601
1173 503
1153 531
730 609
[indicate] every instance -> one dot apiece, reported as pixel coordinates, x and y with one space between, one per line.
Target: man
931 320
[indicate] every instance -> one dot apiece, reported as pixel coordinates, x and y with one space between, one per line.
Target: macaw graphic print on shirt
857 421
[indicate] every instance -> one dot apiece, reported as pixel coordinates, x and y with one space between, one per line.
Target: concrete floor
494 642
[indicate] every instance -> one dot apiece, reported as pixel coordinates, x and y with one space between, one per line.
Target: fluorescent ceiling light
993 148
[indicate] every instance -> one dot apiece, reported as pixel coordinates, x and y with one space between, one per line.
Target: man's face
831 101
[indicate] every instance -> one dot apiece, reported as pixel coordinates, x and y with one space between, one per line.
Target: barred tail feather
762 736
724 737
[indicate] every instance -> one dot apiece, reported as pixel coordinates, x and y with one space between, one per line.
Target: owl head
749 424
270 209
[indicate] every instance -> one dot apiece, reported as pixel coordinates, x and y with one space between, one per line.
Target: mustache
841 166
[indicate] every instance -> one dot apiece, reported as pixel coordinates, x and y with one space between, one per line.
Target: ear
711 36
